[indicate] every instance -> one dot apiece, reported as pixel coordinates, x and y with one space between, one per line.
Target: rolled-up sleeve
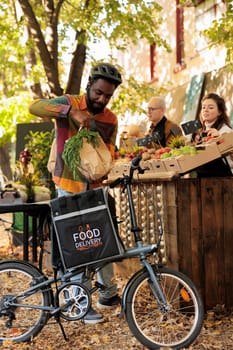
54 108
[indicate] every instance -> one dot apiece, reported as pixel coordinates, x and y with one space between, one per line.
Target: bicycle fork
155 288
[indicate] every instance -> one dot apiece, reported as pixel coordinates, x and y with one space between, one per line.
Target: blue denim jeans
104 276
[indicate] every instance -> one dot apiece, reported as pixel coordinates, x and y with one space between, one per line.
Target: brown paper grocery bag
96 162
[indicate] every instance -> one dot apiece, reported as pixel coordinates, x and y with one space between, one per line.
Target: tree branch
49 62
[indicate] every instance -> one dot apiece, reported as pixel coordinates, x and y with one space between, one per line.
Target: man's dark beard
90 107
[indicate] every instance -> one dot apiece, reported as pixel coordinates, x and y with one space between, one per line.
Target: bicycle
162 306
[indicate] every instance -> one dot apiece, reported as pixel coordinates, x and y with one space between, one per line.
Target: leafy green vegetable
73 146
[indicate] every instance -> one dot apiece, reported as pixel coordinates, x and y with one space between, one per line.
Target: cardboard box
180 164
119 169
225 143
153 165
185 163
155 169
172 164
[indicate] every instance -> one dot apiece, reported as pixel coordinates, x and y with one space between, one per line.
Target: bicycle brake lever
142 171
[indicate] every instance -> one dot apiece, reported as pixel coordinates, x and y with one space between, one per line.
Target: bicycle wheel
18 323
176 328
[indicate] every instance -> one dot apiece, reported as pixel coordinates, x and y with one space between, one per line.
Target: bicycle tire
15 278
176 328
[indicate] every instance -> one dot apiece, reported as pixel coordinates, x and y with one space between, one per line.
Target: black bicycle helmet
108 71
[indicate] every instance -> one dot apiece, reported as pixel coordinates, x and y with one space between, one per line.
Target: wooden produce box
185 163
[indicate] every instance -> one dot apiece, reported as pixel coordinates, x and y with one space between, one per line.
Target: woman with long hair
215 122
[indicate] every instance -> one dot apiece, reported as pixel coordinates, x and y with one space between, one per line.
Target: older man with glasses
162 130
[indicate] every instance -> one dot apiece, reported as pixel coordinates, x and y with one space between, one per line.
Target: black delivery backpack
84 228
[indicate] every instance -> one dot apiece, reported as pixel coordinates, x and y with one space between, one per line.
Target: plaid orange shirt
106 124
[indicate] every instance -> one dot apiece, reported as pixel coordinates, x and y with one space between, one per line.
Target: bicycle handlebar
135 161
115 182
134 166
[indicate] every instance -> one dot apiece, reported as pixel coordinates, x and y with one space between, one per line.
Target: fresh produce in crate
134 151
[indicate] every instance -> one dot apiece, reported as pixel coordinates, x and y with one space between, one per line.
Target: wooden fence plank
196 235
184 226
213 246
228 239
170 223
189 230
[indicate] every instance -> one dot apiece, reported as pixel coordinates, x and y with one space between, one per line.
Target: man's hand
80 116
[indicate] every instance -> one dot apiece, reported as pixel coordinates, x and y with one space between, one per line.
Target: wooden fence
198 226
205 236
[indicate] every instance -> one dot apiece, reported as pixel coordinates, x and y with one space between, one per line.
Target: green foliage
54 26
221 32
12 111
12 51
39 145
131 96
121 23
189 3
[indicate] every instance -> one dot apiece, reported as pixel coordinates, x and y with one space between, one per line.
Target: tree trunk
5 161
30 62
77 65
49 61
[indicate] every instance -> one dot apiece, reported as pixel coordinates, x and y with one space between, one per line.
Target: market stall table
192 212
40 211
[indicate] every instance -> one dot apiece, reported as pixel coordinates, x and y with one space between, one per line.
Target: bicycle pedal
100 286
55 311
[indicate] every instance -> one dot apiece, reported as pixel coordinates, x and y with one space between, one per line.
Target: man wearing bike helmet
71 112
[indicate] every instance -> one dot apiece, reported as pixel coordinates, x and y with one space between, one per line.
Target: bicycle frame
141 251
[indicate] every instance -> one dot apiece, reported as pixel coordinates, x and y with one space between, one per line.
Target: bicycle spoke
16 322
155 327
